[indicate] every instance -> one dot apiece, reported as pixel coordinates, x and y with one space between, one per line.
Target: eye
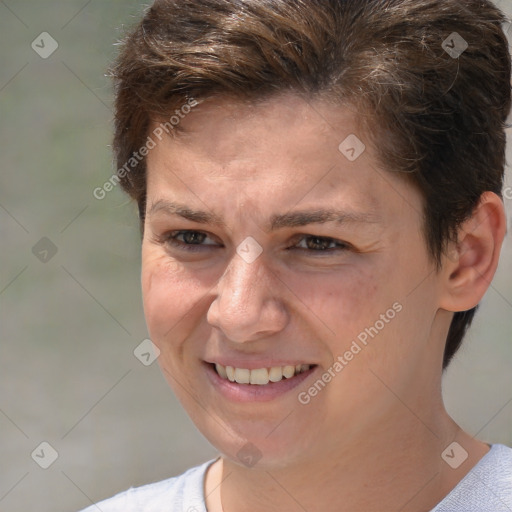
189 240
321 244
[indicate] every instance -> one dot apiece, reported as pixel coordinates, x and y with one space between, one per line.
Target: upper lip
260 363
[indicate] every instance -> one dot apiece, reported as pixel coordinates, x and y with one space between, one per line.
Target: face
269 248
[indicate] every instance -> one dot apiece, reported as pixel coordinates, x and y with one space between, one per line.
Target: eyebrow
277 221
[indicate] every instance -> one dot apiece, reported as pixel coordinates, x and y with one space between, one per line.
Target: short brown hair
440 117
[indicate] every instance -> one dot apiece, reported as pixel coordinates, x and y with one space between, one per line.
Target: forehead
224 130
286 150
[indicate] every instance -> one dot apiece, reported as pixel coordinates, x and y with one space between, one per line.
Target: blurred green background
69 326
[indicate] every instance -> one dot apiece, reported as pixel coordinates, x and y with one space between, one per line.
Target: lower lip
255 392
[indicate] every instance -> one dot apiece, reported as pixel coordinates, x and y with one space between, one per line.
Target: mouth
260 376
244 385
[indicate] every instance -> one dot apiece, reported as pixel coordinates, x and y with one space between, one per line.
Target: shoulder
183 492
486 488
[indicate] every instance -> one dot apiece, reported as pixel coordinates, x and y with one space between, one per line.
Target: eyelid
170 238
171 235
341 245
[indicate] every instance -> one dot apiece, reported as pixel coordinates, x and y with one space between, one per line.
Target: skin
372 438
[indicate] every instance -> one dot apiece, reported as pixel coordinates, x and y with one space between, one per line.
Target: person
319 188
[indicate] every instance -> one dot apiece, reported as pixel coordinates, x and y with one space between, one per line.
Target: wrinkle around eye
339 245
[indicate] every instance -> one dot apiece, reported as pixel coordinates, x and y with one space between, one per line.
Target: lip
246 393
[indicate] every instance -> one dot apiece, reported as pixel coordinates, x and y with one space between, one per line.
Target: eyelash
171 239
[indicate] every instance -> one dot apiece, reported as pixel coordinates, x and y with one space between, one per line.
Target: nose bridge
246 305
243 287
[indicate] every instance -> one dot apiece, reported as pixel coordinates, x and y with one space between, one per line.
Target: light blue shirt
486 488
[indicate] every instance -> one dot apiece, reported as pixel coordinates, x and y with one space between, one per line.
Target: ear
470 264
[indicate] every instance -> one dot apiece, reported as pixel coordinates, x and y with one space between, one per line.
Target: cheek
340 301
170 296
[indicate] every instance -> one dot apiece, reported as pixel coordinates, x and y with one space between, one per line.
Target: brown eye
190 240
193 237
321 244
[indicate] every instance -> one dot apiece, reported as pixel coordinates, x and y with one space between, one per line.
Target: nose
247 306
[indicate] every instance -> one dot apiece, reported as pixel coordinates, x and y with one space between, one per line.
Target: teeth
242 375
288 371
230 371
260 376
221 371
275 374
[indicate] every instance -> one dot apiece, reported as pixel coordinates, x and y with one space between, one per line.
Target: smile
260 376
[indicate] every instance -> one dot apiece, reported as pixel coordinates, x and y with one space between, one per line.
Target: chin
255 445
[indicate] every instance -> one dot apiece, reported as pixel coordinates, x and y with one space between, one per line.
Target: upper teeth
261 375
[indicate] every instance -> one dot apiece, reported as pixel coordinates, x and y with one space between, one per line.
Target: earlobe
470 264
